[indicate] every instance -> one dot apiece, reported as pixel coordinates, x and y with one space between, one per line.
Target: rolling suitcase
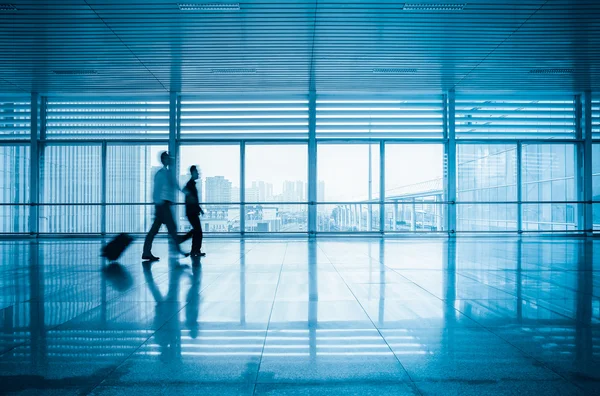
117 246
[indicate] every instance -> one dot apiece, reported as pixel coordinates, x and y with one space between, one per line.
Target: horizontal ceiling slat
151 46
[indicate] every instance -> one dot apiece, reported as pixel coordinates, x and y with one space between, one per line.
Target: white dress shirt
164 187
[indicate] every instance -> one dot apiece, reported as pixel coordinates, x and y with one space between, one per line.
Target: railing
401 216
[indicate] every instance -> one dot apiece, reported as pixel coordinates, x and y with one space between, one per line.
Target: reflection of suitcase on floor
117 246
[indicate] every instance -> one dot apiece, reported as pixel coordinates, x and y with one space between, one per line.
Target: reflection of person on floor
193 302
166 320
163 196
193 212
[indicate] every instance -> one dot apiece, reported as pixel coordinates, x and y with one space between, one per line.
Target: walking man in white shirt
163 195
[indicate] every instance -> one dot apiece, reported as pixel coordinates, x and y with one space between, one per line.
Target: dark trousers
195 233
162 215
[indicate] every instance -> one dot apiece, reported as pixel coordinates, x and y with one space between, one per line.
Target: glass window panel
546 168
353 217
219 185
487 169
14 188
14 174
219 168
276 173
219 218
414 170
269 217
130 173
486 217
348 172
70 219
71 175
549 217
420 215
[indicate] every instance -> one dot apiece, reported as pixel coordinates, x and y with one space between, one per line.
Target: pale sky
343 167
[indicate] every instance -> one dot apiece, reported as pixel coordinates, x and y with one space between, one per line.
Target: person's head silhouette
194 172
165 158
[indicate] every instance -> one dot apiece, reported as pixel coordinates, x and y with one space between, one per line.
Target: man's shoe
198 254
150 257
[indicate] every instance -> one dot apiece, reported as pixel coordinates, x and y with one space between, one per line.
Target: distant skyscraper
235 194
252 194
218 189
321 191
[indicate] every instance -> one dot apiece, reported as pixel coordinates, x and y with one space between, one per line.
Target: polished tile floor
296 317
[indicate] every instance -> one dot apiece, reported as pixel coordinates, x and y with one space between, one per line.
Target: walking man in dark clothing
193 212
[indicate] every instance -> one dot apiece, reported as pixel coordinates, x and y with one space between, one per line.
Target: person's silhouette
193 212
193 302
163 196
168 337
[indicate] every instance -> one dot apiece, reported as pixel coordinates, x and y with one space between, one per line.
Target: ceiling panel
335 45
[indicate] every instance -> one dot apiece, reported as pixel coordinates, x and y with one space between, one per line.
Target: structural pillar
586 179
312 163
451 156
35 156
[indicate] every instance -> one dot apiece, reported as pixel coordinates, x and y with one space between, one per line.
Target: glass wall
414 187
348 181
99 156
486 178
276 174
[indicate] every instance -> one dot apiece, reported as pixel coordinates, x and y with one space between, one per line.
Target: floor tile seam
378 331
523 352
493 287
262 352
557 313
419 286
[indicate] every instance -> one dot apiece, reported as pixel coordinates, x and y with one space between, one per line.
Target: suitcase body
117 246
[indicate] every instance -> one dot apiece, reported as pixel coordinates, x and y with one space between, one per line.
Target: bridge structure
412 207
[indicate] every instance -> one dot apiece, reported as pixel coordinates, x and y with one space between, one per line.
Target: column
451 155
312 163
37 104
